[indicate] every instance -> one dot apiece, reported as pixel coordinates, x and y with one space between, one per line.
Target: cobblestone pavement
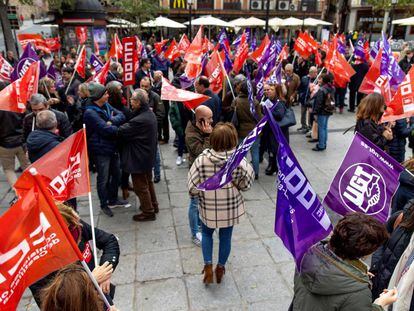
160 269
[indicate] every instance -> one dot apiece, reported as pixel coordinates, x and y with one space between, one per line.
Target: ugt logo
362 189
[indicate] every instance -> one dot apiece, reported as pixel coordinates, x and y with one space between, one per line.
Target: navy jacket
41 142
101 135
405 192
214 103
400 132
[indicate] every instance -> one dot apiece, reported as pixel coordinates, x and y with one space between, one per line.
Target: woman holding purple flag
222 208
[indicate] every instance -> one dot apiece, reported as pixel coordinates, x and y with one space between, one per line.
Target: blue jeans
157 165
322 131
193 216
254 152
181 145
224 244
108 177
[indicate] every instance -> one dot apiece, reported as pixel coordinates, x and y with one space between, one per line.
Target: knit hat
96 91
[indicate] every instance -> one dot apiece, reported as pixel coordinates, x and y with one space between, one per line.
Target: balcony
205 5
232 5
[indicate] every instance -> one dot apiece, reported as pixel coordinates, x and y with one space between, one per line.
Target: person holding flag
361 68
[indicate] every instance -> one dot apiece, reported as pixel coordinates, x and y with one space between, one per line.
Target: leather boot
208 274
125 194
144 217
220 271
272 168
269 165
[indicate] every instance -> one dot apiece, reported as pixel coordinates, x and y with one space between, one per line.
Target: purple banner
28 57
359 50
185 82
301 220
276 77
259 80
365 181
251 94
227 63
99 37
55 75
96 63
224 175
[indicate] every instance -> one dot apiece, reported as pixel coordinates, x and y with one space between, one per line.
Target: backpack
329 105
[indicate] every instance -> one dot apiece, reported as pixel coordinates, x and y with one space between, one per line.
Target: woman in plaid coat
221 208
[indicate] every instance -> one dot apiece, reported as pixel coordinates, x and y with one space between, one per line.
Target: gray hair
46 120
239 79
140 95
36 99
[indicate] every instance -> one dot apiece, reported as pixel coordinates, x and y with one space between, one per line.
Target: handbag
289 118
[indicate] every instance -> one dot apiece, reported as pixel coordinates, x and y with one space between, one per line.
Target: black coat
360 72
385 259
400 132
405 192
11 129
107 242
372 131
320 99
139 141
41 142
406 64
63 124
214 103
139 75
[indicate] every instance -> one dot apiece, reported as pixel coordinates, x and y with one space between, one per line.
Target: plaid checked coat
223 207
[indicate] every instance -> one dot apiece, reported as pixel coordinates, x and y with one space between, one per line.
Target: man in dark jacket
361 68
39 103
202 85
44 138
113 74
102 121
139 145
144 71
400 132
407 61
304 94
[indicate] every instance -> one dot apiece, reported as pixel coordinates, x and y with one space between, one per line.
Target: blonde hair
69 215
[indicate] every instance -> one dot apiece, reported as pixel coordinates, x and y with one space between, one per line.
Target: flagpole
90 198
47 91
319 74
74 72
225 72
64 227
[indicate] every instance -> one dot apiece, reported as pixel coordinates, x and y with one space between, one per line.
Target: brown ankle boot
220 271
208 274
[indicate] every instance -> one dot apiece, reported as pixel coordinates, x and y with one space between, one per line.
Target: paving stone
127 242
27 304
288 272
125 271
212 296
155 239
179 199
263 219
248 254
180 216
261 283
270 305
166 295
277 250
244 230
160 265
120 222
255 193
177 185
184 236
164 219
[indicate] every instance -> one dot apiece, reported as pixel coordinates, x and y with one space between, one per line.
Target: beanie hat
96 91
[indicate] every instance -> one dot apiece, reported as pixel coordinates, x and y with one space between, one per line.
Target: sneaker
179 160
119 203
107 211
157 179
196 240
199 236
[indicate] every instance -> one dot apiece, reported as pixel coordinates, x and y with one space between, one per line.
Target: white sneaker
199 236
179 161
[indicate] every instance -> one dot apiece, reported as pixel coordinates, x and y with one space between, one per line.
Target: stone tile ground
160 269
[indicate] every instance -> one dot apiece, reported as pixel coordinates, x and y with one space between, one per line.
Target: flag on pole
172 52
284 53
102 75
96 63
194 56
80 66
224 40
215 72
260 81
35 243
28 57
66 178
402 104
159 46
257 54
241 54
250 95
5 69
116 48
14 97
81 34
184 43
305 45
35 39
273 51
190 100
389 65
365 182
53 44
55 75
336 63
301 220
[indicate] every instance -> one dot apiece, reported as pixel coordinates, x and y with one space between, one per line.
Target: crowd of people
124 132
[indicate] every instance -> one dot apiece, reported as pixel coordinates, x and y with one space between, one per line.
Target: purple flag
341 47
301 220
28 57
251 94
365 181
259 80
276 77
253 46
374 51
223 39
53 74
389 66
224 175
144 52
359 50
227 63
268 60
96 63
236 42
185 82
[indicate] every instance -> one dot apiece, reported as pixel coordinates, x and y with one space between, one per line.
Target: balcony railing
232 5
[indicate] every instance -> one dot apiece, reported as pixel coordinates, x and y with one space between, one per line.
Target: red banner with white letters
33 244
36 39
63 169
129 45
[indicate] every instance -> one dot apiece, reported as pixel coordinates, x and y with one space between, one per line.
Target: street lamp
393 4
267 15
304 7
190 5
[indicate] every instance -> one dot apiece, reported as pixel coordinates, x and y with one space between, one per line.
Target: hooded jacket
223 207
405 192
328 283
41 142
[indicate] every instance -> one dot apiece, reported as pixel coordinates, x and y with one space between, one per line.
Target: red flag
184 43
139 48
80 65
5 69
81 34
68 176
35 243
318 59
129 45
53 44
191 100
116 48
215 73
284 53
325 46
241 54
257 54
402 104
96 47
159 45
207 45
15 96
305 45
172 52
337 64
100 77
37 40
194 55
